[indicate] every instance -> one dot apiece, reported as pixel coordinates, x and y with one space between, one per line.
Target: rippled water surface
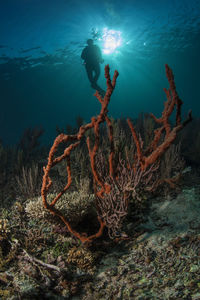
42 78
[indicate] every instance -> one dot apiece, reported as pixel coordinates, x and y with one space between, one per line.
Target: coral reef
147 249
74 205
82 258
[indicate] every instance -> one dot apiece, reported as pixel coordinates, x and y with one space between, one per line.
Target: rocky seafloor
160 259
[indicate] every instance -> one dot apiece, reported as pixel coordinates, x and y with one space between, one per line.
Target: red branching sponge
155 150
75 140
163 138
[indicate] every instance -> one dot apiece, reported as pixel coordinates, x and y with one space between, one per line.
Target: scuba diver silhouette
91 55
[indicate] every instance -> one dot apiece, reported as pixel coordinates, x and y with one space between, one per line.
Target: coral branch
154 149
62 138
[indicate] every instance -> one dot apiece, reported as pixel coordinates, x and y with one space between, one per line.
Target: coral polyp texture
113 191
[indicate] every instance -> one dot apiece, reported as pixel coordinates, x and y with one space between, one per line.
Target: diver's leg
89 73
97 72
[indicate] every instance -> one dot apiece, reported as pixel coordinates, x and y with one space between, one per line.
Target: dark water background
42 79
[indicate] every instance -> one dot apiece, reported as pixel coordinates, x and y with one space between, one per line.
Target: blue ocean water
42 77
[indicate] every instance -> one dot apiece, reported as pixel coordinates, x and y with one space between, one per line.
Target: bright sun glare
111 40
